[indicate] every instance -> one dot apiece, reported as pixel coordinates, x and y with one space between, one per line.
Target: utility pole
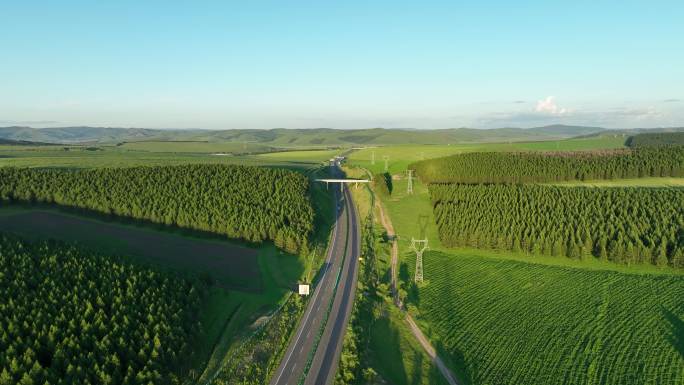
419 246
409 186
386 159
373 157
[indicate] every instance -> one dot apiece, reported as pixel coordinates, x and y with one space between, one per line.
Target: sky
343 64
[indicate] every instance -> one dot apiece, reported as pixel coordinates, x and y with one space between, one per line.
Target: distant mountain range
314 137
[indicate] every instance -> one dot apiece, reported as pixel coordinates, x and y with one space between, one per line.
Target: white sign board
303 289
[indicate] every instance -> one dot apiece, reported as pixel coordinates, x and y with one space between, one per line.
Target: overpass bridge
356 182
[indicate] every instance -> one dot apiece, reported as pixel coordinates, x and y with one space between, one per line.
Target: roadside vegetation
379 347
72 316
256 358
354 365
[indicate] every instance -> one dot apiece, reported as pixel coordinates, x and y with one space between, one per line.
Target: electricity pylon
386 159
409 186
419 246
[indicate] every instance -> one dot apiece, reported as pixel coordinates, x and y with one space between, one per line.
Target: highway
332 300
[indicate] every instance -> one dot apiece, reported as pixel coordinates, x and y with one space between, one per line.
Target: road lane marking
308 313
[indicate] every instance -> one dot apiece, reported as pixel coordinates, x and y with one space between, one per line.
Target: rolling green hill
281 137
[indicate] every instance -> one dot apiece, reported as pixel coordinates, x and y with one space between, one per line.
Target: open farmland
98 156
507 322
195 146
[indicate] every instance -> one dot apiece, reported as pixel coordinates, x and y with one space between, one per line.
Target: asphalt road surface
337 284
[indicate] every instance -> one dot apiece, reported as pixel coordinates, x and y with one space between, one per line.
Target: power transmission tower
409 186
373 157
386 159
419 246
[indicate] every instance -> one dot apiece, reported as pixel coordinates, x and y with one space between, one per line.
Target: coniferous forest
71 317
656 139
624 225
501 167
244 202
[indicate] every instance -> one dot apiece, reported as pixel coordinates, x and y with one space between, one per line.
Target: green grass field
195 146
184 153
313 156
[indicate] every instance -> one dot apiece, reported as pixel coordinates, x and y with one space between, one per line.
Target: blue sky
352 64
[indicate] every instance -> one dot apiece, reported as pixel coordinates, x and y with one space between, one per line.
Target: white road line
308 313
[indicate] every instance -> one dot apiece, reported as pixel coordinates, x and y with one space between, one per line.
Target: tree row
624 225
506 167
250 203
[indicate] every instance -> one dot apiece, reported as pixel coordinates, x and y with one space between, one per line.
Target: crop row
507 322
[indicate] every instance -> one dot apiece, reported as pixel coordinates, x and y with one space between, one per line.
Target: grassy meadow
120 156
195 146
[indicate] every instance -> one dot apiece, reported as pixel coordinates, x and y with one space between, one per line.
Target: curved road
314 350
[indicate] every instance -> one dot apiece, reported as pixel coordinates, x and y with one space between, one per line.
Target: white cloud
549 106
639 113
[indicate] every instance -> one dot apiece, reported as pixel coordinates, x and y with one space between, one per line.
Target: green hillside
280 137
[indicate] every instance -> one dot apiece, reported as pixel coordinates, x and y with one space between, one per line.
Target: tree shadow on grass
423 223
454 360
387 352
676 337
